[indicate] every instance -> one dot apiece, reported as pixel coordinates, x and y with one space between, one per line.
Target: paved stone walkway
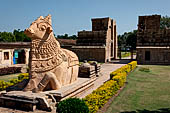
106 69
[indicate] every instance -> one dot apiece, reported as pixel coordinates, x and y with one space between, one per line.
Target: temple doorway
19 57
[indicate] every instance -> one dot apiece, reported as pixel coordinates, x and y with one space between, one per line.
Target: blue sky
71 16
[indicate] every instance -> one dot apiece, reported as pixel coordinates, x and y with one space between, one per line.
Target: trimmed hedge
101 95
124 69
72 105
10 70
21 77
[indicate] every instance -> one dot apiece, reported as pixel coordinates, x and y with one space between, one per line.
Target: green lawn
125 54
144 92
8 77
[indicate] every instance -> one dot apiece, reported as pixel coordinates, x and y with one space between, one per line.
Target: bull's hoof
36 90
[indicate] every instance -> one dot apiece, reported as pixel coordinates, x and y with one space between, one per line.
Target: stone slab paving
106 69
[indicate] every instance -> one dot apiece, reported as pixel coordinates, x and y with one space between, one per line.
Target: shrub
133 64
72 105
124 69
101 95
14 81
21 77
120 79
144 69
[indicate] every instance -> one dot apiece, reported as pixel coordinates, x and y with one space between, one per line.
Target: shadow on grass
162 110
121 61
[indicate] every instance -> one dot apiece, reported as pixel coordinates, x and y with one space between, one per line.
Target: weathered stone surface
73 90
152 42
46 100
97 68
51 67
87 71
100 44
26 100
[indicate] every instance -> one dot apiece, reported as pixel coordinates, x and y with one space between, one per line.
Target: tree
127 40
7 37
16 36
132 39
65 36
165 22
20 36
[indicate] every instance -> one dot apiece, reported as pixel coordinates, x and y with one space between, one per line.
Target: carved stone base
45 100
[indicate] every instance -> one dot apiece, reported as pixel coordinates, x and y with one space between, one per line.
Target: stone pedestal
46 100
97 69
87 71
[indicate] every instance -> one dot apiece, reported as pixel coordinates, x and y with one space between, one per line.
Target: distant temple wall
100 44
152 42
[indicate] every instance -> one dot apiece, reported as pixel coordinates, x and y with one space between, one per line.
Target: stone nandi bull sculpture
51 67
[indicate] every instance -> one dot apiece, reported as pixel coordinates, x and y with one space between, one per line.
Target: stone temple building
153 43
14 53
100 44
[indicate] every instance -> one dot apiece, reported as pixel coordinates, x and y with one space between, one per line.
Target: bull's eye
42 28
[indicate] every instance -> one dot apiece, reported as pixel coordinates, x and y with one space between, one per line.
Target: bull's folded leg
49 79
31 85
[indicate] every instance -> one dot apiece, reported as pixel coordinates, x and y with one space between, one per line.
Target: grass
125 54
6 78
146 91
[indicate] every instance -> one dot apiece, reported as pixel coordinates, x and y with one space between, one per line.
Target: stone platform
45 100
73 90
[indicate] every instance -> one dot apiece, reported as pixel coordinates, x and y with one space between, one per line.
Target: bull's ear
49 30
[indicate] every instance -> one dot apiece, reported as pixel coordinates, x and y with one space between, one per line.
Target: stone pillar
11 54
115 42
26 56
132 54
0 56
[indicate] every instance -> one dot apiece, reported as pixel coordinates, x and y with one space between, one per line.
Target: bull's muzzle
29 32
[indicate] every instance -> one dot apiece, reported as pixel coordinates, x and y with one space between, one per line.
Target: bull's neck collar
45 41
44 49
46 38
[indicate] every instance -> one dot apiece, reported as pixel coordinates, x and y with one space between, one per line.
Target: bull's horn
41 17
48 19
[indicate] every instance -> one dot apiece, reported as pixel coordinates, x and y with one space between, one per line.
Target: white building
14 53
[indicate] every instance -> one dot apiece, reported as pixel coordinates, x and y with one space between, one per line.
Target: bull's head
39 28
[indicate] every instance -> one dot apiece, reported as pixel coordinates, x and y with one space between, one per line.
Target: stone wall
87 53
103 37
6 59
91 38
152 39
157 55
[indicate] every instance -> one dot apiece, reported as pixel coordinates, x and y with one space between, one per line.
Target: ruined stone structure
100 44
153 43
51 66
12 53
